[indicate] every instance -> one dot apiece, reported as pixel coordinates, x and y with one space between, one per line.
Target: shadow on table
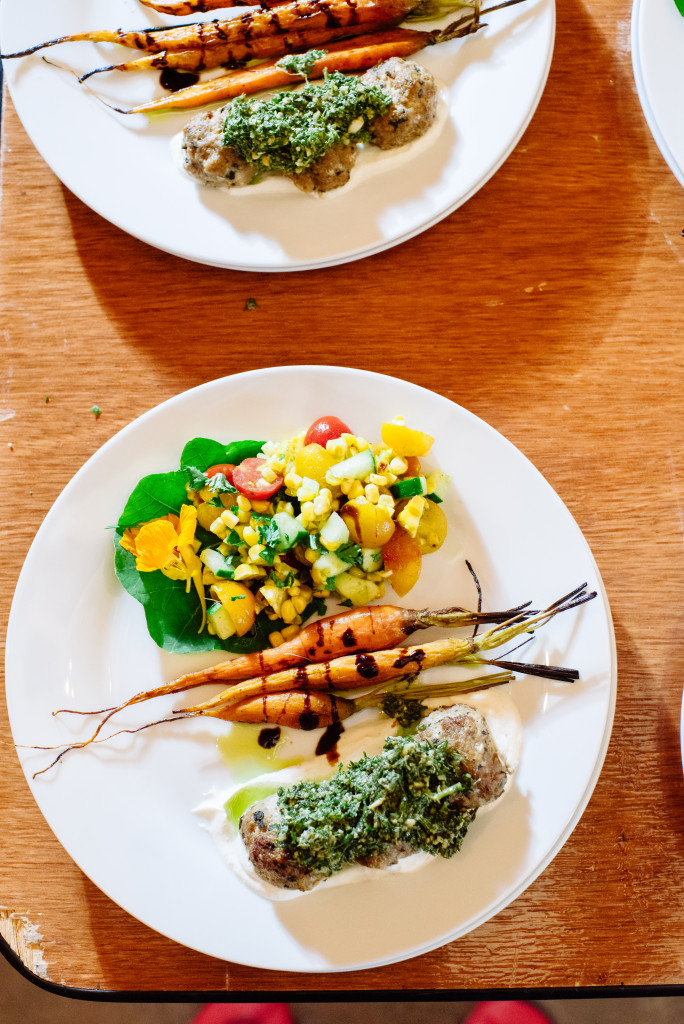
524 265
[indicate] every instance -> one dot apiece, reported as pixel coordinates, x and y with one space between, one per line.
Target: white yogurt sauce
364 733
370 162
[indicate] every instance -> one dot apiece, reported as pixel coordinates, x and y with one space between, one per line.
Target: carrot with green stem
357 54
365 629
269 75
301 709
358 670
304 710
295 15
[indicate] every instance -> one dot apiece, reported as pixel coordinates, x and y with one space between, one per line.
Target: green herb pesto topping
300 63
403 795
292 129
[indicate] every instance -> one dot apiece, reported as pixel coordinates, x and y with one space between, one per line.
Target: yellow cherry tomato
404 441
238 601
429 527
369 525
313 461
402 556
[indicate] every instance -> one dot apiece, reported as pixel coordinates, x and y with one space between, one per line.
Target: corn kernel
398 466
356 490
386 501
362 444
299 604
377 479
243 503
255 552
287 610
322 502
224 549
306 592
290 631
244 516
250 535
372 493
275 638
337 447
307 511
229 518
218 527
261 506
311 555
268 474
246 572
293 481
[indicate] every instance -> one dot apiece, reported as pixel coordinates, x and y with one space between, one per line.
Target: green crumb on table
409 793
294 128
96 411
47 399
251 304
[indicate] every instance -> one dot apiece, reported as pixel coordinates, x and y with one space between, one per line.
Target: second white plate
123 167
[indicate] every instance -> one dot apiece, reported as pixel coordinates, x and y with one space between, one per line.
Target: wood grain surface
551 305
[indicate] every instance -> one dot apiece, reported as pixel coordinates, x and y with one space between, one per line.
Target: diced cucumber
218 564
371 559
355 468
220 620
291 532
409 487
356 589
328 564
437 486
334 532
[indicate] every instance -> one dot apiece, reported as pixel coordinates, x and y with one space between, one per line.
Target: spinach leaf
202 452
153 497
173 614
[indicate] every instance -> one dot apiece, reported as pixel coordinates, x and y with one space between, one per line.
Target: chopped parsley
402 795
292 129
406 711
300 63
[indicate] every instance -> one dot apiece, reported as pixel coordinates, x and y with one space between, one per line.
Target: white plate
657 49
124 811
122 168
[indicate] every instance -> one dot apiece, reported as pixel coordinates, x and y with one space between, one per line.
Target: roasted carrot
362 52
303 710
269 75
300 709
293 16
360 629
202 6
358 670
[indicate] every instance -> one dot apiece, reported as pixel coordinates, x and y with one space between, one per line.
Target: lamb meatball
271 861
465 730
205 156
330 171
413 109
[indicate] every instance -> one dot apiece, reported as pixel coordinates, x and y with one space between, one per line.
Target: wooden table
557 315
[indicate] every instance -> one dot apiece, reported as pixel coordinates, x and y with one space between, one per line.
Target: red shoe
506 1013
244 1013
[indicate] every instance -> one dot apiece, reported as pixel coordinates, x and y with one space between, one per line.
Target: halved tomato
249 481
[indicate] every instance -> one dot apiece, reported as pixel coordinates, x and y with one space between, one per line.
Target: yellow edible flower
166 544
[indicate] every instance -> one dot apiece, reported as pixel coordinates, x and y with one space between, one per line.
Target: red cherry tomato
325 429
249 481
225 468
